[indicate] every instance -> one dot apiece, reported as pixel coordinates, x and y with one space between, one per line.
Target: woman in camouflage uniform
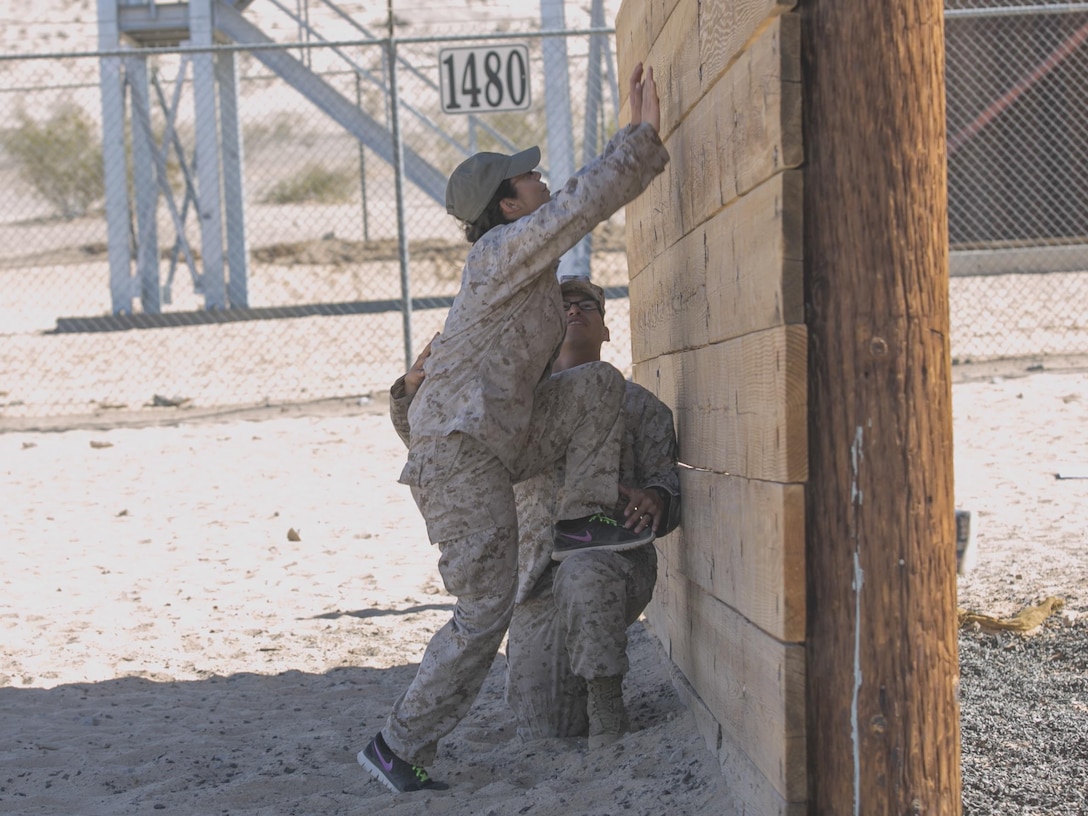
489 415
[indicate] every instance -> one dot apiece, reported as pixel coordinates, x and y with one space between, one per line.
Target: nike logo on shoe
585 536
597 532
386 764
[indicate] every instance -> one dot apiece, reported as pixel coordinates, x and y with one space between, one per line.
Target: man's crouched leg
607 716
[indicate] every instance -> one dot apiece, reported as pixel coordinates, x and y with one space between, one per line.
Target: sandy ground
167 645
1021 466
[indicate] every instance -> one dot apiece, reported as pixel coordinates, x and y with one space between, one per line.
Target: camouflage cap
582 287
475 181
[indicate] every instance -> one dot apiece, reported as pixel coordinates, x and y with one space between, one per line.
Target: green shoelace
601 517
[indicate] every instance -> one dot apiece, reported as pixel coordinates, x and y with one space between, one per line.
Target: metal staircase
197 27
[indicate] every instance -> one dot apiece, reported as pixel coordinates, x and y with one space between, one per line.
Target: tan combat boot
607 716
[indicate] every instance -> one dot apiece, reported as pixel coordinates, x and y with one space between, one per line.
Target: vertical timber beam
112 82
208 207
882 656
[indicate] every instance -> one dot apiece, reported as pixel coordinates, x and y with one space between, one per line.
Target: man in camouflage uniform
489 414
567 643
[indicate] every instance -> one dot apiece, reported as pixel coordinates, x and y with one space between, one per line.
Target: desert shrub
61 158
281 128
314 184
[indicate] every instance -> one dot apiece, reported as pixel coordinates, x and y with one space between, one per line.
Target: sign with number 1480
484 79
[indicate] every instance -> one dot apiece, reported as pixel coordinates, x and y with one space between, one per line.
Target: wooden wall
718 333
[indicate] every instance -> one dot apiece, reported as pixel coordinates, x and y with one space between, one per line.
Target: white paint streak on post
855 456
859 579
856 498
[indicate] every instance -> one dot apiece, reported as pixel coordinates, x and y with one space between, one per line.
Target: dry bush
313 184
61 158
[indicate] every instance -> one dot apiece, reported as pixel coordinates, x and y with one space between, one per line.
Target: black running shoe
392 771
596 532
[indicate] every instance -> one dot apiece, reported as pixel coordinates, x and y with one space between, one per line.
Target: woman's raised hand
635 96
645 104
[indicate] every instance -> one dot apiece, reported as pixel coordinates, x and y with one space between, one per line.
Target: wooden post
883 720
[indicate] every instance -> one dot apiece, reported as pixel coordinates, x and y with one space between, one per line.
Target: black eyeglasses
583 305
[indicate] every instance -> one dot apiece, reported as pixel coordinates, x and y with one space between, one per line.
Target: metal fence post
234 198
362 159
144 184
398 176
560 129
112 83
209 205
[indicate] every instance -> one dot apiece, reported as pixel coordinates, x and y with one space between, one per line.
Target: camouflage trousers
466 497
573 628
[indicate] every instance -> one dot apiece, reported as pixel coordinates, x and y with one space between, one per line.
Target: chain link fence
329 218
1017 81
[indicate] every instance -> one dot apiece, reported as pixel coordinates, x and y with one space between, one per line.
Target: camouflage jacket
648 459
506 323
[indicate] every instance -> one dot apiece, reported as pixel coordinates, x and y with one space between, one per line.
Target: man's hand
644 508
645 104
414 378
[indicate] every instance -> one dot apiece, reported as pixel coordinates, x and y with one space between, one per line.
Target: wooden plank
765 107
758 130
675 59
754 278
743 541
632 43
693 149
743 132
669 306
738 273
727 26
639 23
660 11
749 791
653 219
752 684
740 406
760 283
746 128
719 40
692 48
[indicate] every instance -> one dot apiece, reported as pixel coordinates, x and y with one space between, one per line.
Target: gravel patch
1024 721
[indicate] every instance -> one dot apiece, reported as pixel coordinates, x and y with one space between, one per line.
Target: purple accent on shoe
586 536
386 763
597 532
